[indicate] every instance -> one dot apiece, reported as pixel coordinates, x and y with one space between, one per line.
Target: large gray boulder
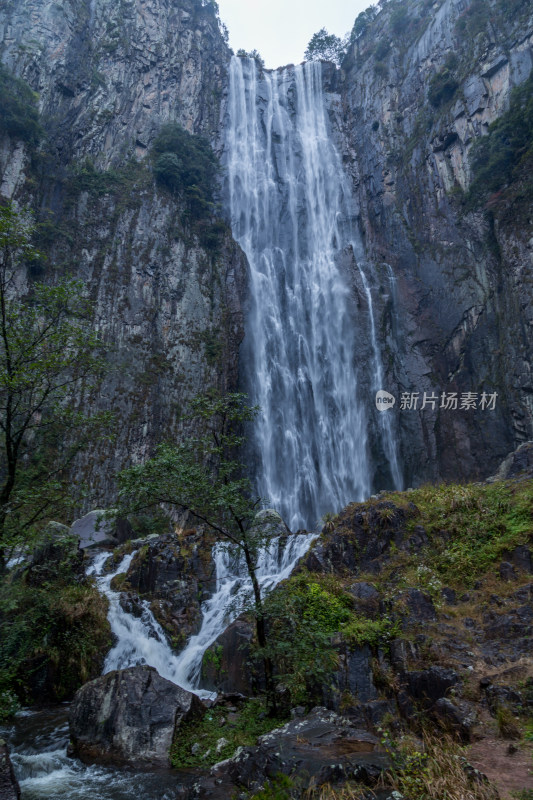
96 529
9 788
129 716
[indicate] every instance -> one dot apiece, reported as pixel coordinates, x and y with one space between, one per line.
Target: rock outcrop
166 294
450 282
9 787
129 716
321 748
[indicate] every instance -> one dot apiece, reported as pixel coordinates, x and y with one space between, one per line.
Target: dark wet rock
173 572
401 651
361 538
429 685
352 681
456 715
228 664
521 558
366 597
449 596
507 571
503 697
313 746
129 717
418 604
9 787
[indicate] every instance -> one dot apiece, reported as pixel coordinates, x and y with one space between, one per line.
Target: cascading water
291 212
141 640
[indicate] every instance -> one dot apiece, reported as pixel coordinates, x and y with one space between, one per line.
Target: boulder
519 463
419 606
176 573
457 716
352 680
227 665
429 685
322 746
9 788
129 717
94 530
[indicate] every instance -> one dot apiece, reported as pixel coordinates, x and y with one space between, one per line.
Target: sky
281 29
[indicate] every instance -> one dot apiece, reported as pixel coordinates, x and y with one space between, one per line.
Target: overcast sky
281 29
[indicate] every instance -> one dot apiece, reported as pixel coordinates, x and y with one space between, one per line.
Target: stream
38 739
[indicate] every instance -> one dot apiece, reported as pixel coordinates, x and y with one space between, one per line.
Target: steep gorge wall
166 296
458 314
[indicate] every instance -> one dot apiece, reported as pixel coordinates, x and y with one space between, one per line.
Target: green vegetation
54 629
362 22
303 615
325 46
120 181
505 155
442 87
204 476
239 729
186 165
432 770
481 522
255 54
19 115
48 351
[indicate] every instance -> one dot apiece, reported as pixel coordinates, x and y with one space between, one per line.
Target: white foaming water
38 744
292 213
141 640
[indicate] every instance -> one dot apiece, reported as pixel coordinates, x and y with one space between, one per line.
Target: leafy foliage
505 154
186 165
54 630
241 731
48 351
325 46
255 54
442 87
362 22
204 476
19 116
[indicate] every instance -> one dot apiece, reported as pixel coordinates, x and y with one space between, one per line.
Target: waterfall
141 640
292 213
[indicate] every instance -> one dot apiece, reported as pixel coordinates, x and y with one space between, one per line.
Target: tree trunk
261 633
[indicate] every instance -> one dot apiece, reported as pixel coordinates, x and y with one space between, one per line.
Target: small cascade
141 640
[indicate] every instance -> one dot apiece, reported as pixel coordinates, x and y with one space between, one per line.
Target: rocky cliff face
417 89
167 298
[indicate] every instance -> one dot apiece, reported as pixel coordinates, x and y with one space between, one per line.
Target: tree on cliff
48 353
203 475
325 46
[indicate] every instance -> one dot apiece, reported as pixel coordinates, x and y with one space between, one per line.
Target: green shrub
382 49
54 631
442 87
400 20
186 165
505 154
19 115
241 730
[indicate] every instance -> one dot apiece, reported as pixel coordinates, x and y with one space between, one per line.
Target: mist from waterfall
292 213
